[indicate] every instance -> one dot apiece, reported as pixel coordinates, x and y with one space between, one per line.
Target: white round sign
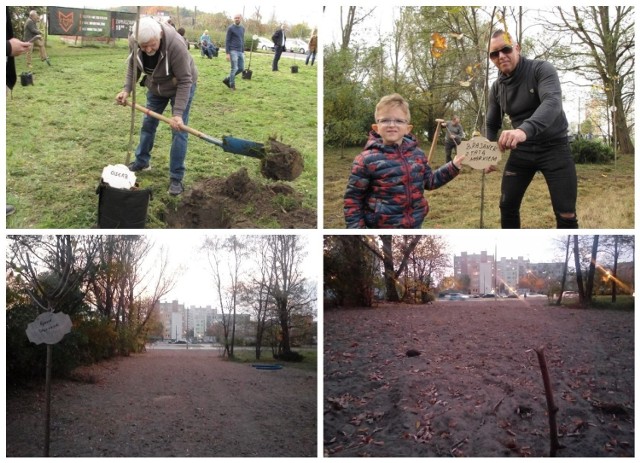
119 176
49 327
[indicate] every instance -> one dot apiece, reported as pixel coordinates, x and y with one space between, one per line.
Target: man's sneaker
10 209
47 60
226 82
135 166
175 187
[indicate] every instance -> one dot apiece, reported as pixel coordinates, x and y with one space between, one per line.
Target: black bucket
118 208
294 69
247 73
26 78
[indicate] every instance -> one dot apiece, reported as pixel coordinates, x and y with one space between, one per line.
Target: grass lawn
62 131
605 196
309 362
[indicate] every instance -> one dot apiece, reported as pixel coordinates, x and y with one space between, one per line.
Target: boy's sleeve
354 197
436 178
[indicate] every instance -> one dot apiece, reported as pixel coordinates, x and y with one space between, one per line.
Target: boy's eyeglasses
389 122
507 49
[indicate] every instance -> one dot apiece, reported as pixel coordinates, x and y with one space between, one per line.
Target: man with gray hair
234 48
33 35
170 76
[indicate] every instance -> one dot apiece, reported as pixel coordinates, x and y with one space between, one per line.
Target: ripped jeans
559 171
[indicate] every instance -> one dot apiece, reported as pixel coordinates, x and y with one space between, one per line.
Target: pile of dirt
239 202
476 388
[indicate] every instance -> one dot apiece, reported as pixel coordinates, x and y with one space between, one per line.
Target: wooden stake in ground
551 406
434 142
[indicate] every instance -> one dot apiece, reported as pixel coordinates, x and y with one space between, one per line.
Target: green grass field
62 131
605 196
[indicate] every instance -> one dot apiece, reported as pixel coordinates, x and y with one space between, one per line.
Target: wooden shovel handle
435 139
162 118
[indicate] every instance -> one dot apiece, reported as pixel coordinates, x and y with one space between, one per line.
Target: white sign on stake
49 327
480 152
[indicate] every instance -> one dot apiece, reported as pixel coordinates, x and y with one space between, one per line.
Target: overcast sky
195 285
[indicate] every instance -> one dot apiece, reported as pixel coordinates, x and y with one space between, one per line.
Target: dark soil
463 379
282 162
239 202
169 403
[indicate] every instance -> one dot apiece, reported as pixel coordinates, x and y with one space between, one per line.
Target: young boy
388 179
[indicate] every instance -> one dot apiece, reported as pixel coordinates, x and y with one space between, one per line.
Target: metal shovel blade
244 147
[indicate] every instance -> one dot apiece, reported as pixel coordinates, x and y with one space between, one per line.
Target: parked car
569 295
296 46
265 44
455 297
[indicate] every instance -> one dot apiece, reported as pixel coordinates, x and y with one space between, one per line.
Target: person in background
170 76
234 48
453 136
206 45
15 47
529 92
279 39
33 35
181 31
313 48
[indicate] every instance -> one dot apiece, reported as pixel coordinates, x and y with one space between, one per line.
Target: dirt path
171 403
476 389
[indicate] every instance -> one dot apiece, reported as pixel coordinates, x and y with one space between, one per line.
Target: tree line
437 58
360 269
111 287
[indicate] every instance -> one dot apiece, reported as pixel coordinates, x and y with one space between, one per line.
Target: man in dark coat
279 40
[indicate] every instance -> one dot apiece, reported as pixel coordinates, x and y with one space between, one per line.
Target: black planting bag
118 208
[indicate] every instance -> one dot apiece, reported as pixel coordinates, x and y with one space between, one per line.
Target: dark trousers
276 57
448 148
557 167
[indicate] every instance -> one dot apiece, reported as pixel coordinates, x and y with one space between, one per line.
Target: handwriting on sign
480 153
49 328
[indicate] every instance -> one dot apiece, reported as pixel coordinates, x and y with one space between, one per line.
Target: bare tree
603 49
232 252
49 267
565 269
592 270
352 19
579 281
258 292
386 255
291 293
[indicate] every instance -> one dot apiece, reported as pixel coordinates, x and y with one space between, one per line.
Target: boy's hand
457 161
488 170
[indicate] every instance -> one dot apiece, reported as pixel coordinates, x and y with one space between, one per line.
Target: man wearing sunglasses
529 92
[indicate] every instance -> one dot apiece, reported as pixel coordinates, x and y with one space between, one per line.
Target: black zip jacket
532 98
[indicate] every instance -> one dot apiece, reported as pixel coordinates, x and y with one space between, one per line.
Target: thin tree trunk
579 282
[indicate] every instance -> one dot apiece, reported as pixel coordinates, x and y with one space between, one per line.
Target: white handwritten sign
49 327
480 152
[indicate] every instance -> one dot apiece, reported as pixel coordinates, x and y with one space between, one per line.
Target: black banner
89 23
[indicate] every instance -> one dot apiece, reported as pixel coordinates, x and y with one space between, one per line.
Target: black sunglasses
507 49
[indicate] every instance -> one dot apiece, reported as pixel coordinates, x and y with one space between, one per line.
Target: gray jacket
174 74
532 98
31 30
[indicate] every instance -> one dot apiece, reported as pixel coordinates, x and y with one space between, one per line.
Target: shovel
228 144
279 162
